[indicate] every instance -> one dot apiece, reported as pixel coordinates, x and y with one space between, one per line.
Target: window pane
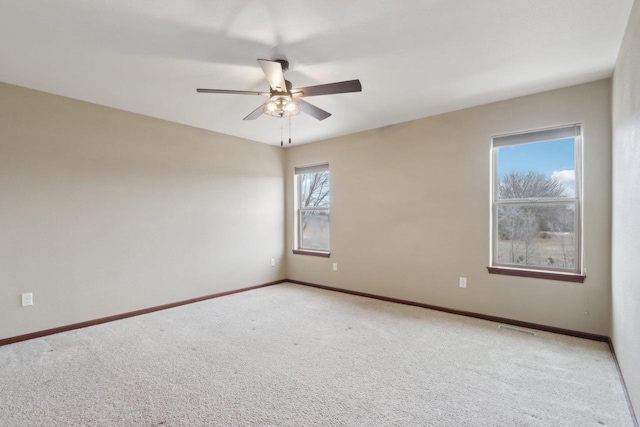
536 170
314 227
537 235
314 190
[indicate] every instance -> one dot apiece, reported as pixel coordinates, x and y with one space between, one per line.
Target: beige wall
625 330
411 211
104 211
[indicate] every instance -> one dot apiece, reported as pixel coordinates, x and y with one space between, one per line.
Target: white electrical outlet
27 299
335 266
463 282
273 262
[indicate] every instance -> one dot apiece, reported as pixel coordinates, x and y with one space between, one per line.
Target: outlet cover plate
27 299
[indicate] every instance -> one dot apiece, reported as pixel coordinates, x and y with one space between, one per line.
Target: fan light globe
281 106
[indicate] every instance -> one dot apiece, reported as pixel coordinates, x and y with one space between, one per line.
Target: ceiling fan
283 100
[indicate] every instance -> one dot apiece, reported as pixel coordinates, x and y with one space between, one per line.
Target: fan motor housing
284 63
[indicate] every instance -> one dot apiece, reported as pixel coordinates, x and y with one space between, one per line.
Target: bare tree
315 190
314 193
564 226
519 227
520 185
521 224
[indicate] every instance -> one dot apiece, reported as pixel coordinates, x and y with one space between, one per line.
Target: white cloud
568 179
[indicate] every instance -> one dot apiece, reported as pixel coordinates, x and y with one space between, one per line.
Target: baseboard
624 385
39 334
519 323
545 328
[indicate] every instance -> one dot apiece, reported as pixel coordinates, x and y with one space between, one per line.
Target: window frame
298 245
544 272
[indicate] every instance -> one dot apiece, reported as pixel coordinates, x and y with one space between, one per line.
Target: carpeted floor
299 356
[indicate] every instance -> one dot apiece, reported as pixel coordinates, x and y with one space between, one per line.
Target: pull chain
281 139
289 129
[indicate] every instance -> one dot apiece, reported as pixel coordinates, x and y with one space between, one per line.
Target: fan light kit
281 106
283 100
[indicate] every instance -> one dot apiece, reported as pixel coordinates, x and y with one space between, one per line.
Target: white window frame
540 135
298 172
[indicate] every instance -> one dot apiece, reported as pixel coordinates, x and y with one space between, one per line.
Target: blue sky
553 158
545 157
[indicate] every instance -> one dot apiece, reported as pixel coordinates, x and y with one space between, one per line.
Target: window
536 203
313 209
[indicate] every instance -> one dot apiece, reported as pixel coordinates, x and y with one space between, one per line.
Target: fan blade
234 92
312 110
256 113
274 73
328 89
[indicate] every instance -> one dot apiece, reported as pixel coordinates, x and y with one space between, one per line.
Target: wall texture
625 330
411 211
104 211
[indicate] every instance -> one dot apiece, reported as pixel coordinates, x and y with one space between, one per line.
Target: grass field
555 250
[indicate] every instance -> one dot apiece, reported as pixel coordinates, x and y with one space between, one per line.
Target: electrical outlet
27 299
463 282
335 266
273 262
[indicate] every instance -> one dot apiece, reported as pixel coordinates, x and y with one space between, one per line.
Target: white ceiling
415 58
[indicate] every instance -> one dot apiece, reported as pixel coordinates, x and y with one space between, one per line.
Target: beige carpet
293 355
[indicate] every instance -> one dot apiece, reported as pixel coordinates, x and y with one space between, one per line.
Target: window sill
537 274
312 253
